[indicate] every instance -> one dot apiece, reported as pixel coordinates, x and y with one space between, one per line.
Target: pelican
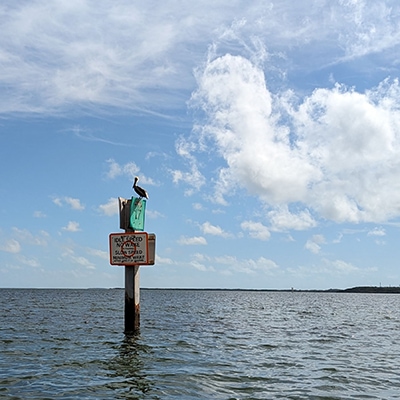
140 191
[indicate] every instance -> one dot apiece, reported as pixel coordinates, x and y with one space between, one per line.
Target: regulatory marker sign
129 248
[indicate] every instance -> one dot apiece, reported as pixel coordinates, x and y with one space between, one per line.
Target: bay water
199 344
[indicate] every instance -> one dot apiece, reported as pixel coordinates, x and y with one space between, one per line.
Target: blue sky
266 133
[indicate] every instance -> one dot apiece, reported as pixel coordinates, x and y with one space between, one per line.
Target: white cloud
163 260
99 253
227 265
193 178
31 262
129 169
314 243
258 152
57 56
75 204
282 219
256 230
341 267
110 208
377 232
83 261
72 226
154 214
25 236
335 155
195 240
208 229
11 246
198 206
200 266
57 201
69 253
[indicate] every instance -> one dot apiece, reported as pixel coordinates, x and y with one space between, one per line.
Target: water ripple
199 345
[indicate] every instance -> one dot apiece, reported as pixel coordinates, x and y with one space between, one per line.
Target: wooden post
132 299
132 287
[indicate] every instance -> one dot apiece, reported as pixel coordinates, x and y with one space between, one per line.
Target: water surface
193 344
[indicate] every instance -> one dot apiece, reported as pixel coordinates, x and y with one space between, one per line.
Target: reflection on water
127 367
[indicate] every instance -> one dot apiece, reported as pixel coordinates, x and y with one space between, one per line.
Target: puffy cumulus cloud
354 140
258 153
256 230
335 154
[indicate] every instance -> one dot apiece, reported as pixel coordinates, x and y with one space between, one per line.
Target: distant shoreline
356 289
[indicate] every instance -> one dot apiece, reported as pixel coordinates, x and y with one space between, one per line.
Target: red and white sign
129 248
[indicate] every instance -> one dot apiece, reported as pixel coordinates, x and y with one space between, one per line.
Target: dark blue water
70 344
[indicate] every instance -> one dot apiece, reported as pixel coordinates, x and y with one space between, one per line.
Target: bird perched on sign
140 191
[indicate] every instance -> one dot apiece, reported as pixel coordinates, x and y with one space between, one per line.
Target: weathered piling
132 298
132 282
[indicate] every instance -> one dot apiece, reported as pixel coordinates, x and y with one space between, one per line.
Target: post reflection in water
127 368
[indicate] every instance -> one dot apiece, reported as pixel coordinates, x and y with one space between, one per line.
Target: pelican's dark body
140 191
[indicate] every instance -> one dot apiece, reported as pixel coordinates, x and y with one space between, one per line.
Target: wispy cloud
39 214
208 229
314 244
110 208
25 236
11 246
129 169
228 265
377 232
79 260
57 57
99 253
75 204
195 240
193 178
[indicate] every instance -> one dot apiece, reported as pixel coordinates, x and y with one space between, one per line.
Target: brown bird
140 191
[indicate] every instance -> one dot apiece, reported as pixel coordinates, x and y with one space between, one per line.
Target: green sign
138 208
